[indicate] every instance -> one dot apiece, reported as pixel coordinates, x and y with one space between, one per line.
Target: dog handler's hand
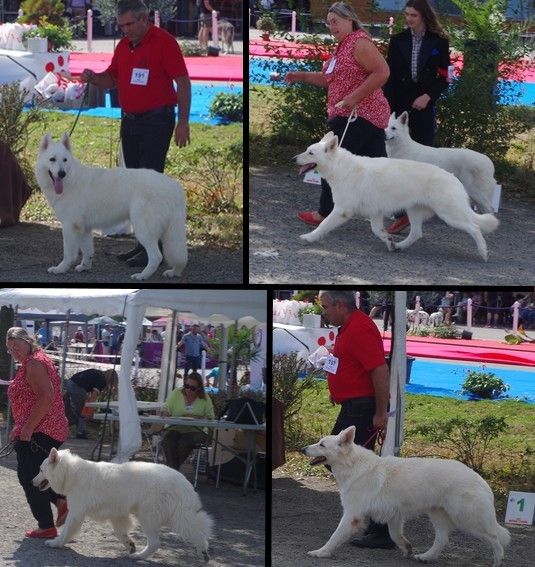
25 433
87 75
380 421
182 134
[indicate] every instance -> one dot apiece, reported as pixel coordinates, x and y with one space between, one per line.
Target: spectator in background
205 23
193 344
42 335
79 336
493 302
446 304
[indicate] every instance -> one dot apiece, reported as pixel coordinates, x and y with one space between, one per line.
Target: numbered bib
331 364
139 77
330 67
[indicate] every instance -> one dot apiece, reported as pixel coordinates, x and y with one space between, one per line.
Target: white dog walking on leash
392 489
473 169
86 198
156 494
378 187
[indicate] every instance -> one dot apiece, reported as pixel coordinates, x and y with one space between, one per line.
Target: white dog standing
86 198
378 187
392 489
156 494
473 169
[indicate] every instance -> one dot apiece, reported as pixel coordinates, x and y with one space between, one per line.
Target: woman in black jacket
418 58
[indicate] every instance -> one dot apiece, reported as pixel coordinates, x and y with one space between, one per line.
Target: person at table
189 401
85 386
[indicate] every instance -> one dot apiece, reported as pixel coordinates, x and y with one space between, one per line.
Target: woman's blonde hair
347 12
18 333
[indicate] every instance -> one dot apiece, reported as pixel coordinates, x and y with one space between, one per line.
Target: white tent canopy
133 304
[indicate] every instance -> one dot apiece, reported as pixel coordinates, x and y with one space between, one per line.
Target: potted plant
266 24
484 385
59 37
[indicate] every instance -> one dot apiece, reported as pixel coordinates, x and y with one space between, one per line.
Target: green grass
516 172
209 169
511 458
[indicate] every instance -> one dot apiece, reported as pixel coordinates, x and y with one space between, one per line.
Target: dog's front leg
86 244
335 219
72 526
70 251
378 228
347 527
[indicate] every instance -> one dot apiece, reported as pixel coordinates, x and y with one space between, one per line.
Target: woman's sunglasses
190 387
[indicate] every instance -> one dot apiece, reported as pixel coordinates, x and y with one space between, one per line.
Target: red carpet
222 68
468 350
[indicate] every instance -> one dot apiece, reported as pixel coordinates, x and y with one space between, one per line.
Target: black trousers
362 138
146 138
29 458
358 412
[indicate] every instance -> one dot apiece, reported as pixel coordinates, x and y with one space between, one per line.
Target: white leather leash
351 118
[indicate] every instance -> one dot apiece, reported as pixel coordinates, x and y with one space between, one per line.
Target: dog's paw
82 268
170 273
139 276
423 557
308 237
56 542
319 553
59 269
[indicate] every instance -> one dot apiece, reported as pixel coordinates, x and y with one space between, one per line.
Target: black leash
7 449
85 99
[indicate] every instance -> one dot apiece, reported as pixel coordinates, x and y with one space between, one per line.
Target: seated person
85 386
190 401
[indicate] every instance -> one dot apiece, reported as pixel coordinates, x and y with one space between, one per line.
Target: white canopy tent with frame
133 304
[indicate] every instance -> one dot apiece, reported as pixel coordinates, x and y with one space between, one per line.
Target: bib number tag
331 364
139 77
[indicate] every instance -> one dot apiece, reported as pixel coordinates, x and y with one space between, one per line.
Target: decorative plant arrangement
484 385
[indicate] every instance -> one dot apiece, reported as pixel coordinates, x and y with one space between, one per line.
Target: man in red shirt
358 380
144 66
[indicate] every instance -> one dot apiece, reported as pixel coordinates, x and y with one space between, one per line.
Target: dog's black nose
302 450
61 174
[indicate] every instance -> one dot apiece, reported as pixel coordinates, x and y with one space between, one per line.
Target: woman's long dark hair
429 16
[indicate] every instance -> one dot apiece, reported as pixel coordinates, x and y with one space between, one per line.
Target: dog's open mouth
44 485
57 182
307 167
317 461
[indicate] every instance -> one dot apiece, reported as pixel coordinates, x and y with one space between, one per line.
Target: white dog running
86 198
156 494
378 187
391 489
473 169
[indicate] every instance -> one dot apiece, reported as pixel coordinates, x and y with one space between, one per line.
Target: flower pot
265 36
311 320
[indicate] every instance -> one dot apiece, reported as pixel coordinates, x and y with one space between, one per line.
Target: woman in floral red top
40 424
353 78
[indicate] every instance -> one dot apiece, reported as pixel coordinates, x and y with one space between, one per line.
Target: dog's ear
348 435
332 143
45 142
404 117
65 140
53 455
327 136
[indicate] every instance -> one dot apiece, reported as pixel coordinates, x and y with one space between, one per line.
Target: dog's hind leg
443 526
70 250
86 245
416 217
378 228
152 531
347 527
154 256
336 218
121 527
395 528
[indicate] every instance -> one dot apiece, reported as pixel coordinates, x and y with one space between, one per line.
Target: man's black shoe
140 260
131 253
376 541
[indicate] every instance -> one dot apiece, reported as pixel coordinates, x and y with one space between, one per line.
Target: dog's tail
504 536
487 222
175 249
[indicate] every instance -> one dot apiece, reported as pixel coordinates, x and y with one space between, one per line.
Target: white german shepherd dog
86 198
378 187
156 494
473 169
391 489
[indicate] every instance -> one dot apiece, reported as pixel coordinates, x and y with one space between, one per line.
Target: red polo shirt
359 349
157 53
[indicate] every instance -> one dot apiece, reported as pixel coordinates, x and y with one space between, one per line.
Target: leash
7 449
351 118
379 433
85 99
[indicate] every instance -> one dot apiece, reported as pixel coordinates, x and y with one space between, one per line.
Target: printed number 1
521 505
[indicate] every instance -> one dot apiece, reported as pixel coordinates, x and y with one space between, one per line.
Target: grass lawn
210 170
510 461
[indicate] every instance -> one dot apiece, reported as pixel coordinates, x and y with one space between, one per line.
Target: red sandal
309 218
48 533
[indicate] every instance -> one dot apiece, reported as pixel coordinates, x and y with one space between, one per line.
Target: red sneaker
48 534
309 218
398 225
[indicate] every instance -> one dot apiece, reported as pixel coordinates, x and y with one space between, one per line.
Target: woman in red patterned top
40 424
353 78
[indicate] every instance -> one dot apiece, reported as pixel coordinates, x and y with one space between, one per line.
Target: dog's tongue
58 185
307 167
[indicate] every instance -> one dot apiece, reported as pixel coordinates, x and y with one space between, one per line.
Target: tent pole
64 356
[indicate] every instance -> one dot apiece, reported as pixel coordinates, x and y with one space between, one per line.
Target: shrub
484 385
228 107
59 36
467 439
36 10
191 48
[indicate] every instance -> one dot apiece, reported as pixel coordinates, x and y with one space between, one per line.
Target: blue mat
260 69
438 378
201 99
